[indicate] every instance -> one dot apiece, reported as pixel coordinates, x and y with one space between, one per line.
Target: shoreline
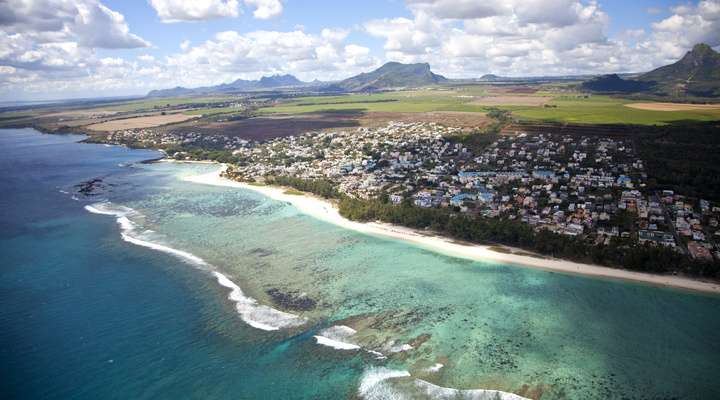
326 211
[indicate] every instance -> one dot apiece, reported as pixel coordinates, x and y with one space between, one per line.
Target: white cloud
50 46
171 11
230 55
534 37
460 9
688 25
99 26
227 56
87 22
265 9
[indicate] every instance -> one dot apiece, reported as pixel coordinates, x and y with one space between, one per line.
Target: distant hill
390 75
275 81
696 74
490 78
614 83
239 85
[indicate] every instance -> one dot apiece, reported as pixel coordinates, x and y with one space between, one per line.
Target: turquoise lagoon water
87 314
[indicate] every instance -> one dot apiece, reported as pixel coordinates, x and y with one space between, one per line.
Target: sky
61 49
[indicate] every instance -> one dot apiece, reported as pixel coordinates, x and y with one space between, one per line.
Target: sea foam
380 383
337 337
256 315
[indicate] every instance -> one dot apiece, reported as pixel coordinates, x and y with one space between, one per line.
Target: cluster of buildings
591 187
163 138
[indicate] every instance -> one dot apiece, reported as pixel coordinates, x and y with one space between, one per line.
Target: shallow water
91 314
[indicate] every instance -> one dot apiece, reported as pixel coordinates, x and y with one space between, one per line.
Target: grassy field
415 101
212 111
573 109
607 110
146 104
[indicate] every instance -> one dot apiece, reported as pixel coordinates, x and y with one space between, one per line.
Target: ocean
144 285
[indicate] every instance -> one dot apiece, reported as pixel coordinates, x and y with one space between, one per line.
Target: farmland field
540 106
607 110
509 100
673 106
145 104
411 101
140 122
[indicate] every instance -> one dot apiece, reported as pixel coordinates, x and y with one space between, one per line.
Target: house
396 198
699 252
423 199
459 199
656 237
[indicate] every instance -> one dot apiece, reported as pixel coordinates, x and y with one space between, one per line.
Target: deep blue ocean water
87 315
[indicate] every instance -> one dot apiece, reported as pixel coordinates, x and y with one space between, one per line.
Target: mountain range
390 75
239 85
696 74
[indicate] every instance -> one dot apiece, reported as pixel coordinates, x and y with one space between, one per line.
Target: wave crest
256 315
383 383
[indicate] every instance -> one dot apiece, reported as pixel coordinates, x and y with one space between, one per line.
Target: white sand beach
326 211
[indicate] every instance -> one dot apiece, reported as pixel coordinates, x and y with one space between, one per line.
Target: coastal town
593 188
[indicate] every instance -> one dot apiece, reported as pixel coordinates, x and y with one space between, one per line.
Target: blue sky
64 48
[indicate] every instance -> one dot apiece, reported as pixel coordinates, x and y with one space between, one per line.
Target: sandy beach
325 210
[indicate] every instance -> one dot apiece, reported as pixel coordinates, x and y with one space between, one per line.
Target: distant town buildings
590 187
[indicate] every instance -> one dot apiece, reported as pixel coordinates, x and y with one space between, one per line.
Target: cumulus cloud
522 37
60 36
227 56
171 11
230 54
56 40
87 22
265 9
687 26
49 46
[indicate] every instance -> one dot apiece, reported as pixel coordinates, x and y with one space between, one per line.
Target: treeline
479 229
320 187
683 157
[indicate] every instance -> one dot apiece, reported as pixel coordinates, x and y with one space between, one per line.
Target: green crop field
148 104
568 108
212 111
606 110
415 101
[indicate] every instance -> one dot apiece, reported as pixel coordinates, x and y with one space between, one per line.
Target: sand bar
326 211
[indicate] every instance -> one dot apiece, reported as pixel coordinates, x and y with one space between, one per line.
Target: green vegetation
319 187
606 110
596 109
683 158
696 74
477 229
392 74
409 101
211 111
152 104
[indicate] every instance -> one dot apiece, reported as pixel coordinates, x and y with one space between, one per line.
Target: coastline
326 211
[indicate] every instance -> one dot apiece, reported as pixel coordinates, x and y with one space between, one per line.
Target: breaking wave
382 383
256 315
337 337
